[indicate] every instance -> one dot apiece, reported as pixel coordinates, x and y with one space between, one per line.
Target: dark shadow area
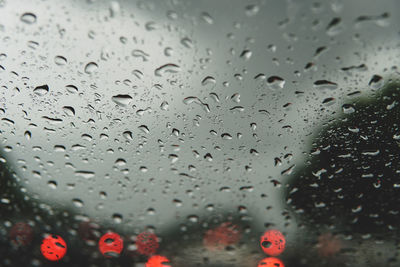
350 184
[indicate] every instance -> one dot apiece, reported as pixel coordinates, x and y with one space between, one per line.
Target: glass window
199 133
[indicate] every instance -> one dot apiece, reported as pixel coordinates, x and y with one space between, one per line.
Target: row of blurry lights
54 248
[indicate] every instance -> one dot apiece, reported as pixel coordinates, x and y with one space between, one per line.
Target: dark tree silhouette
351 182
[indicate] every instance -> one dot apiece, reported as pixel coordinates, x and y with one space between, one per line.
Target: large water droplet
334 27
28 135
77 202
28 18
69 111
275 82
173 157
164 105
85 174
235 98
71 88
91 67
128 135
140 54
167 68
122 100
117 218
194 99
60 60
325 84
246 54
348 108
376 82
41 90
144 128
208 80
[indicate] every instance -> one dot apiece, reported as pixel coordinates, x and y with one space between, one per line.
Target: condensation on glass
179 132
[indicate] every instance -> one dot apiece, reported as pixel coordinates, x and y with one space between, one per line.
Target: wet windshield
199 133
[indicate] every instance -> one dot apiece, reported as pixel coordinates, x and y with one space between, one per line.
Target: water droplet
172 15
143 169
60 60
194 99
85 174
128 135
28 135
167 68
59 148
52 184
207 18
325 84
373 152
208 157
114 8
361 67
275 82
41 90
235 98
252 10
237 108
380 20
164 105
138 74
87 137
177 202
28 18
52 120
348 108
186 42
246 54
117 218
144 129
168 51
140 54
329 101
71 88
320 50
91 67
334 27
260 77
8 121
208 80
120 162
77 202
193 218
69 111
33 44
272 48
376 82
122 100
150 26
215 97
226 136
173 157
